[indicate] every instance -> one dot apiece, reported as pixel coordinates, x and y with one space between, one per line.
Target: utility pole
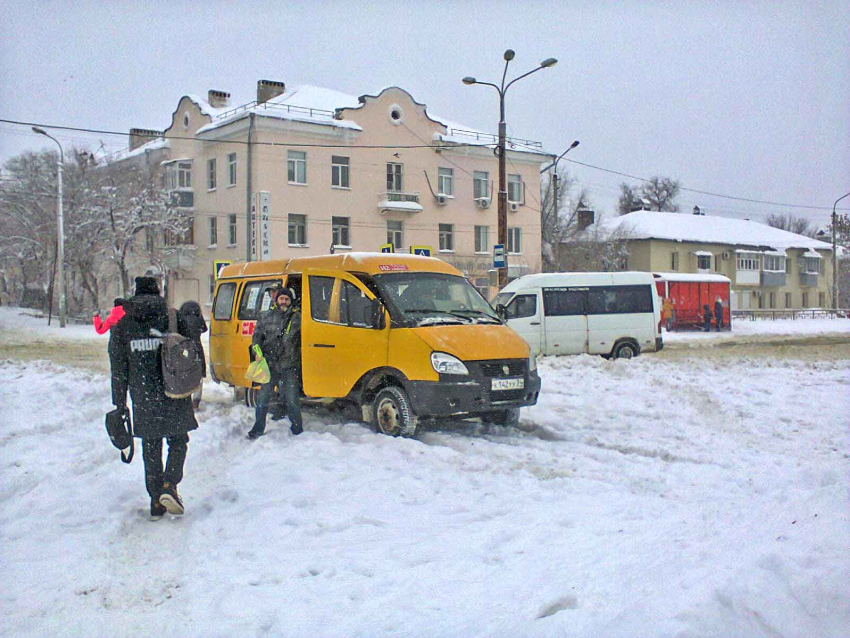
835 255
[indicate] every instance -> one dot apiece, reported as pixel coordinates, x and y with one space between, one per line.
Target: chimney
140 136
585 218
218 99
268 89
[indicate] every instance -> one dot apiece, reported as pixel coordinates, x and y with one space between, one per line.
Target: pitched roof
707 229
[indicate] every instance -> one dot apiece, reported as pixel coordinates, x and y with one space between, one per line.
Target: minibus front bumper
473 394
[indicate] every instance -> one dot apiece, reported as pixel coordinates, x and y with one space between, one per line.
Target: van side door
524 314
338 343
565 331
223 331
254 300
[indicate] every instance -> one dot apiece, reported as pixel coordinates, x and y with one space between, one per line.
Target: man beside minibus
278 333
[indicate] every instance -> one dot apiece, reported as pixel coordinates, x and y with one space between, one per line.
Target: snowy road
700 492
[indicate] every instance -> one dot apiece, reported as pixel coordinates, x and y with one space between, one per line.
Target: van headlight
447 364
532 362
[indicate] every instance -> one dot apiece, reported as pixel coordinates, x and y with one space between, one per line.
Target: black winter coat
718 310
191 323
278 334
134 355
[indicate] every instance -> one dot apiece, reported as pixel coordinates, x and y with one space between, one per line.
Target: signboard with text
499 256
260 232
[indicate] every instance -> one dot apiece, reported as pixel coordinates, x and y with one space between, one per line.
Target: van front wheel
625 351
393 413
509 418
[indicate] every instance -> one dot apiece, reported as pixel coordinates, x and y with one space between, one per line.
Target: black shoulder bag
120 430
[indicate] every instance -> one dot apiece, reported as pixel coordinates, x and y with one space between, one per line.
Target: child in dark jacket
192 323
114 317
706 318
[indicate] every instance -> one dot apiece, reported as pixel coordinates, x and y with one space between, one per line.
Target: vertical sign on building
265 231
254 227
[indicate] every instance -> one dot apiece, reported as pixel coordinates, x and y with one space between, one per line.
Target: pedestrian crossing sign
387 248
218 265
424 251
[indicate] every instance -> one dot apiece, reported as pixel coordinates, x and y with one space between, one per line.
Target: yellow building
307 171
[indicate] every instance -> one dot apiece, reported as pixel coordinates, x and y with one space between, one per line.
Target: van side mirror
502 311
378 321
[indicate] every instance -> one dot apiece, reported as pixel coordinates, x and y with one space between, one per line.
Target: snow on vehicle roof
559 279
683 276
707 229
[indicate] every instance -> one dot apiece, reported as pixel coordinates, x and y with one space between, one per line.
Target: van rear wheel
625 351
393 413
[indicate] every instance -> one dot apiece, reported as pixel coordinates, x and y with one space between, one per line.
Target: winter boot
253 434
296 429
171 500
157 509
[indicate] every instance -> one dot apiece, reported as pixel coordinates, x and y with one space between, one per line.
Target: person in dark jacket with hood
191 323
136 362
718 313
278 333
706 318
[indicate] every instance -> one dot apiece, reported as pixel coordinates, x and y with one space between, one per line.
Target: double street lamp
500 151
834 255
60 229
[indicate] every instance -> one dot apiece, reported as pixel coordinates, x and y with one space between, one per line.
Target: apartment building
309 170
768 267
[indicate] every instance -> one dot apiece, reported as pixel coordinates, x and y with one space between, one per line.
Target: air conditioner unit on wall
513 206
725 255
441 200
482 202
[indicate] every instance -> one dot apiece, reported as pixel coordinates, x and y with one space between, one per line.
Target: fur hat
147 286
285 291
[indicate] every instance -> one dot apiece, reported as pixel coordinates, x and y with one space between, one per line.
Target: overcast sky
741 98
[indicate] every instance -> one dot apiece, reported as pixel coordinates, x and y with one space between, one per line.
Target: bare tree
797 225
842 240
594 250
558 226
656 193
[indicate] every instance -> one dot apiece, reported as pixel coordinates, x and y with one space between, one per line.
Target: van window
223 307
619 300
355 308
320 297
560 302
255 299
522 306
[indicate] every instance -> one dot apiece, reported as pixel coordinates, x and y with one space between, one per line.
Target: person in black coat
278 333
718 314
191 323
706 318
136 362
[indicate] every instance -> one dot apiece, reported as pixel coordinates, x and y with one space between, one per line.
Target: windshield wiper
477 313
433 311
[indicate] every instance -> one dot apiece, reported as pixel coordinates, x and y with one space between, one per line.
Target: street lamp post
555 178
503 193
60 229
834 255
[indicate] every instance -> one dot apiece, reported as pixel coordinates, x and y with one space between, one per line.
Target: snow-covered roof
707 229
684 276
155 144
414 207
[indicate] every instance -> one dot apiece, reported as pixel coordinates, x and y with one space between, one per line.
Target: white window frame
774 263
446 238
341 232
340 171
298 223
213 231
232 225
395 233
480 184
296 167
231 169
211 174
445 181
703 262
482 239
514 240
813 265
184 175
395 177
515 188
748 261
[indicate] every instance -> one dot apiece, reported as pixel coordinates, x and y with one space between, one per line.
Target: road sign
499 256
218 265
387 248
425 251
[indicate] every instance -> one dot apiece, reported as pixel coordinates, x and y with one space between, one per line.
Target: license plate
507 384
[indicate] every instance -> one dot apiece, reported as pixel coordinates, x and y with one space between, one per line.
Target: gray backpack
182 362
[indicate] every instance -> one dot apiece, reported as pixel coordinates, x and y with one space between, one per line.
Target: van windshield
422 299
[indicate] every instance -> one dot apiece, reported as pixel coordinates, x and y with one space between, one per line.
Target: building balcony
808 279
182 198
399 201
771 279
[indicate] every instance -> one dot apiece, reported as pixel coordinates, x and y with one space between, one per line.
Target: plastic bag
258 369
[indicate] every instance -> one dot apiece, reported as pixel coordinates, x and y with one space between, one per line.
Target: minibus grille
515 368
507 395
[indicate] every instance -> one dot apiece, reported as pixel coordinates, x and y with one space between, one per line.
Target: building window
482 241
445 181
211 174
480 184
298 230
447 237
787 299
395 181
772 300
394 234
341 231
514 188
787 266
813 265
774 263
213 231
674 261
821 300
703 262
212 289
805 300
515 240
232 230
296 163
231 169
748 261
184 175
339 172
717 263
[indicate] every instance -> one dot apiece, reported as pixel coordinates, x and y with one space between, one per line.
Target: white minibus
614 314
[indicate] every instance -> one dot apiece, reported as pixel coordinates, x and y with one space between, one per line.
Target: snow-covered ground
662 496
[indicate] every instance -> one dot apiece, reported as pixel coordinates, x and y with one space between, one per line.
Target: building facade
309 171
